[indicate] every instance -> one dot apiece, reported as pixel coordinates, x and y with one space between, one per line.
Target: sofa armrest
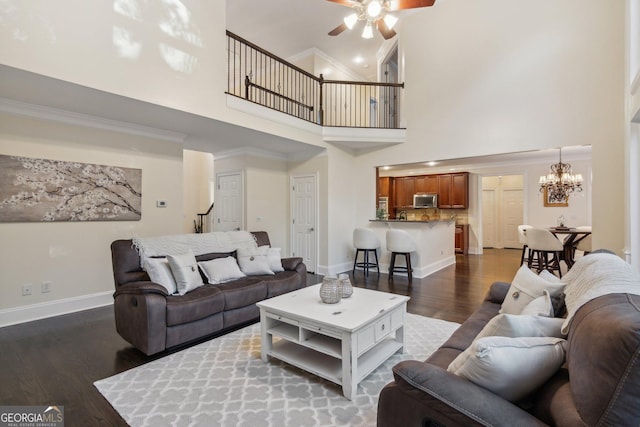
141 316
140 288
451 394
290 264
497 292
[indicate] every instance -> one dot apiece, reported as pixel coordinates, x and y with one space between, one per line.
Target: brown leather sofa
152 320
599 385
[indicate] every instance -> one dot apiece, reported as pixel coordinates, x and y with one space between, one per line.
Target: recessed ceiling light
431 163
386 168
358 59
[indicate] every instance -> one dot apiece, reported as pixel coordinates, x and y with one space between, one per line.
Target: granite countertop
413 221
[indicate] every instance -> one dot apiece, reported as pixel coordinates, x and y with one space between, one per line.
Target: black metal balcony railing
261 77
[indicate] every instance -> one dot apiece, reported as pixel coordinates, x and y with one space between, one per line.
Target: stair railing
259 76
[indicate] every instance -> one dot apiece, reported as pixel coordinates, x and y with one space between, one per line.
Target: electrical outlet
45 287
27 289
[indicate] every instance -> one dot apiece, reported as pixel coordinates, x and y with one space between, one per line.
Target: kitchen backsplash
461 215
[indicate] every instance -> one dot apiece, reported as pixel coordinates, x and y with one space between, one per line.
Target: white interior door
489 218
229 198
304 205
512 208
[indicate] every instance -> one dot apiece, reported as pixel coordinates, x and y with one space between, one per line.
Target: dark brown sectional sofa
599 385
152 320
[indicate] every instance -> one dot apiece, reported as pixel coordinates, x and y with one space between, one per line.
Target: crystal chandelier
560 182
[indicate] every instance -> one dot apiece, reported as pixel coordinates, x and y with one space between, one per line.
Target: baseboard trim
419 272
28 313
434 266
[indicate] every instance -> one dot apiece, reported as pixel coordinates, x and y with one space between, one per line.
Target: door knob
311 229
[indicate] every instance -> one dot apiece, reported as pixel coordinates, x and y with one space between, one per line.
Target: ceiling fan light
390 21
367 33
374 8
350 21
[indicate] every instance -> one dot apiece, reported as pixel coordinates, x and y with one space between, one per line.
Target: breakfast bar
434 240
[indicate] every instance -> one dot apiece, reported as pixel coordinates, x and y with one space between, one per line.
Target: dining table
573 236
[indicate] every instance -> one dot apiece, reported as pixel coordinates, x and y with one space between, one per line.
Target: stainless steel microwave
425 200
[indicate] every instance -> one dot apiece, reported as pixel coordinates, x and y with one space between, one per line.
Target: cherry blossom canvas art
41 190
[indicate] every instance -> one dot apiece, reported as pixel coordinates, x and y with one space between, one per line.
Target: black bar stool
399 242
366 241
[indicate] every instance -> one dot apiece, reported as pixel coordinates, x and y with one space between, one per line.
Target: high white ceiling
290 27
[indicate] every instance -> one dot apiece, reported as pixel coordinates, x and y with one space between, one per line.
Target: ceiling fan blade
408 4
384 30
337 30
348 3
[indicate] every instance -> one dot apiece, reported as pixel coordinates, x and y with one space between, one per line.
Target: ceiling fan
375 13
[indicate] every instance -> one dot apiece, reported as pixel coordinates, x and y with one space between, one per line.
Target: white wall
75 256
633 136
266 194
196 187
340 209
162 52
520 76
169 53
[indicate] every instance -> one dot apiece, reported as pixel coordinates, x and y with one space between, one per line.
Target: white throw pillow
540 306
159 272
274 259
512 326
525 287
221 270
549 276
513 367
253 261
185 270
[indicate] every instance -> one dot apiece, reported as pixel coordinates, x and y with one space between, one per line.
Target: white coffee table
341 342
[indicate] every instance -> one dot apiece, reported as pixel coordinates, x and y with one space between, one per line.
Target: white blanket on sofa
218 241
595 275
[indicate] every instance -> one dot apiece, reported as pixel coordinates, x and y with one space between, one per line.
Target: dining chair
522 238
584 245
544 250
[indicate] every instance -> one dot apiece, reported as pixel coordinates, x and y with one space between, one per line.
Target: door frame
525 200
316 227
240 172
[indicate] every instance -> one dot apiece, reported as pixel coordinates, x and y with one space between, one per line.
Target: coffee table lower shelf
341 343
329 367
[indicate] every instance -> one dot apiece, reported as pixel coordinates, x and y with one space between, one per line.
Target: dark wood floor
55 361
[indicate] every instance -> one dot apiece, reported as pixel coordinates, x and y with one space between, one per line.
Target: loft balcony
354 113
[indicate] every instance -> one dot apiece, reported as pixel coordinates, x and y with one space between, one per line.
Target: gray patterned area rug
223 382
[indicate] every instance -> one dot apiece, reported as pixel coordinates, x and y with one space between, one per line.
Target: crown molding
249 151
266 154
85 120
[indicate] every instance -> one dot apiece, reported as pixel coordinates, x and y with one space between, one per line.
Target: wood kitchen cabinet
461 243
404 189
426 184
444 191
385 187
453 191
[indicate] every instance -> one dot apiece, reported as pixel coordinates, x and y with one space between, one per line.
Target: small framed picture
553 203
